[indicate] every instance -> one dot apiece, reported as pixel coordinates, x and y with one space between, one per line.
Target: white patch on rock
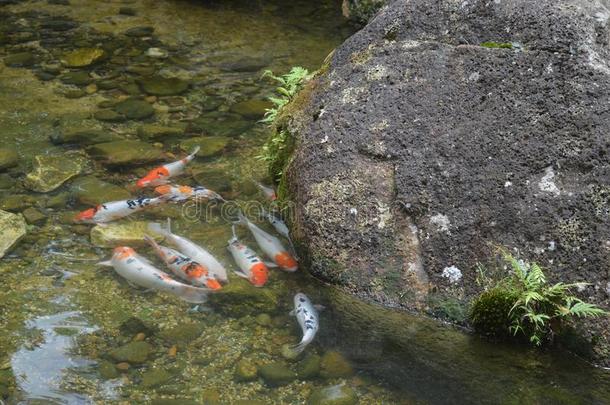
608 288
351 94
377 72
546 183
552 246
452 273
385 215
410 44
474 77
441 221
508 184
379 126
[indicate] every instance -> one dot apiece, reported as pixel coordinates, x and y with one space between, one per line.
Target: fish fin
107 263
319 307
241 274
292 313
298 348
234 238
194 295
158 229
169 225
271 265
293 251
194 152
153 243
241 219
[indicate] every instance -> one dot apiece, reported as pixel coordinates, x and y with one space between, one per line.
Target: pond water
73 332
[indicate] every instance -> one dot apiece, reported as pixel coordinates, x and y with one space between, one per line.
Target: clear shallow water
62 316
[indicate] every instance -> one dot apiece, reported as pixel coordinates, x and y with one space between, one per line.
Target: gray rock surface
444 129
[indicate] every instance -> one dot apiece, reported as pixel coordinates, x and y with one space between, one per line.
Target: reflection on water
41 364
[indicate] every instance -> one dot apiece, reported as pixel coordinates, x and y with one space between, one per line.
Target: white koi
251 266
137 270
270 245
192 250
307 317
268 191
182 193
160 175
114 210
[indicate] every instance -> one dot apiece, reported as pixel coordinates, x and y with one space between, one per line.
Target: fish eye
302 299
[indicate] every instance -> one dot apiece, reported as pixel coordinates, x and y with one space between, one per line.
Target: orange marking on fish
164 189
185 189
213 284
259 274
193 270
85 215
286 262
155 174
123 252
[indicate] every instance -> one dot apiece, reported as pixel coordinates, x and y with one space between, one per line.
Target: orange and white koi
183 266
192 250
268 191
280 227
161 174
270 245
251 266
307 317
114 210
182 193
137 270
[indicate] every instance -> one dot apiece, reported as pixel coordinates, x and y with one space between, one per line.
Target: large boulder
51 171
444 129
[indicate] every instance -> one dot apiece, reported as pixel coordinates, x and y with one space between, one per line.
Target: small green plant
526 305
289 86
497 45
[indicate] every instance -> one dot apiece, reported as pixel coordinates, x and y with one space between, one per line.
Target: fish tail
298 348
193 295
193 153
158 229
241 219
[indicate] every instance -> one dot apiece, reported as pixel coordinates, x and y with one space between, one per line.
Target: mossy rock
90 190
339 394
16 202
489 312
51 171
174 401
309 367
8 158
153 131
155 377
82 57
276 374
132 353
251 109
108 115
134 109
107 370
245 370
127 152
34 216
240 298
162 86
76 78
334 365
132 326
85 136
22 59
121 234
183 333
210 145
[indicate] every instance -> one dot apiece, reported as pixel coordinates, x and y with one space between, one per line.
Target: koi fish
161 174
192 250
182 193
183 266
137 270
280 227
268 191
307 316
114 210
251 266
270 245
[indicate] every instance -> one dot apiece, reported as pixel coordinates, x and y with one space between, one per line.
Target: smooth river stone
90 190
51 171
82 57
122 234
85 136
210 145
12 229
125 153
8 158
162 86
134 109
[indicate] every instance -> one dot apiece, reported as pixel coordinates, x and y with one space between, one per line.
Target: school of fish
196 271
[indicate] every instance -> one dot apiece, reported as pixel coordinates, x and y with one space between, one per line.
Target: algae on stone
51 171
12 229
210 145
126 152
82 57
119 234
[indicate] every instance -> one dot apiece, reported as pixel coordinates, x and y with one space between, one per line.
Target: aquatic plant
524 304
289 86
